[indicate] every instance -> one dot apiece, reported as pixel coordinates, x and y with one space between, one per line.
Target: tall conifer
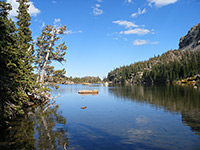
11 91
25 46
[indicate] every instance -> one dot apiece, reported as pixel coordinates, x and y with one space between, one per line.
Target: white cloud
56 21
125 23
73 32
32 9
138 42
130 26
54 2
98 5
139 12
128 1
15 6
160 3
138 31
133 14
97 10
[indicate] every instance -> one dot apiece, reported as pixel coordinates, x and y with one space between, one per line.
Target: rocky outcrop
189 81
191 41
67 82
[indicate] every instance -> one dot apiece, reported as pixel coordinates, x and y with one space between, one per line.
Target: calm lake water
118 118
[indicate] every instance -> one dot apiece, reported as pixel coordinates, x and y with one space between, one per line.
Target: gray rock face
191 41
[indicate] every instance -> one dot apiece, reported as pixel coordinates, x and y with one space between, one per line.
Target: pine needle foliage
25 46
49 49
11 76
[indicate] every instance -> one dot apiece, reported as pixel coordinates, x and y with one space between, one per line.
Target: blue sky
105 34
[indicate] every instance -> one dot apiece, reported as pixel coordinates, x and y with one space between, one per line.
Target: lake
118 118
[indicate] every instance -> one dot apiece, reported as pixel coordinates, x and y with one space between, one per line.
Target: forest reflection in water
118 118
176 99
40 129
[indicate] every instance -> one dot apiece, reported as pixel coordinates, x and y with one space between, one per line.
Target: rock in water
84 107
106 84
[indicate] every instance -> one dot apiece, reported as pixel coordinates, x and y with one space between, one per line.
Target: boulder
84 107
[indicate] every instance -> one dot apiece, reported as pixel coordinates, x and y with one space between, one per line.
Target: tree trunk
43 67
48 133
38 74
40 62
47 58
39 69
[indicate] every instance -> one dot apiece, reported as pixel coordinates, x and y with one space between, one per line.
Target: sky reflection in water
118 118
133 117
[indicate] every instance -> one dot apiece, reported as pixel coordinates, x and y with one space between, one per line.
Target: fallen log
93 92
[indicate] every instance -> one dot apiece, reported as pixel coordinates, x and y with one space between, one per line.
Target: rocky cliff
191 41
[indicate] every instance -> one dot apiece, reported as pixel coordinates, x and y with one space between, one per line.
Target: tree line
87 79
170 66
20 57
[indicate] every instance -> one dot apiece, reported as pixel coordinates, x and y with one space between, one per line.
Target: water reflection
20 135
119 118
176 99
43 128
96 139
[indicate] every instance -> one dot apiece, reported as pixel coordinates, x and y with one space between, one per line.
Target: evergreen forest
26 66
170 66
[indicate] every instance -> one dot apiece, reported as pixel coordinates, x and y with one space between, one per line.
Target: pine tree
12 94
25 46
49 50
23 23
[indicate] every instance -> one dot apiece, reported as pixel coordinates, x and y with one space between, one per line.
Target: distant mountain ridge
170 66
